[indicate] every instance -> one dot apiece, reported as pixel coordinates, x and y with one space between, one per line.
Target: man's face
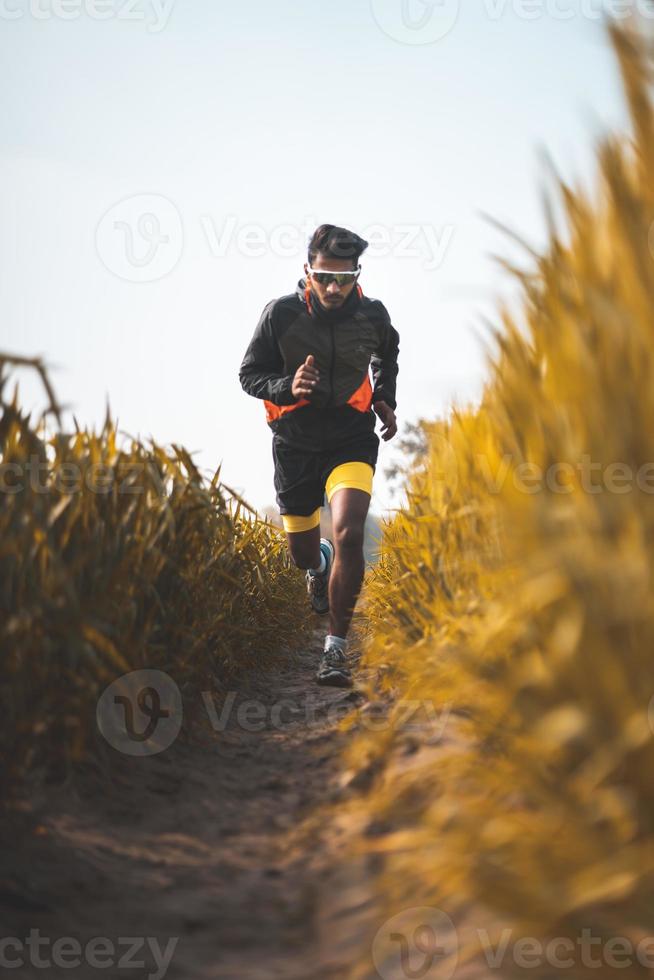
331 296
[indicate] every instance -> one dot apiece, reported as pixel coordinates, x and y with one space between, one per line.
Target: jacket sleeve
261 370
384 362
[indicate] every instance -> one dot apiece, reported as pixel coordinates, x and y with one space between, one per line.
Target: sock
322 566
335 641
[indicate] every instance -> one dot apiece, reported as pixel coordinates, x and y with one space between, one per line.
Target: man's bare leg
304 547
349 508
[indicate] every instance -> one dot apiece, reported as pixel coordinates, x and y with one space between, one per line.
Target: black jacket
345 343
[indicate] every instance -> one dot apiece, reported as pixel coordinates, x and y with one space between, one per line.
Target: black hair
336 243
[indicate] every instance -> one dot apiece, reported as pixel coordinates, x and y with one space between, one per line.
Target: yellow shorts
350 476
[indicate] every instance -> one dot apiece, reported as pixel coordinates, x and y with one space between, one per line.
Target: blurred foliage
412 444
115 558
516 587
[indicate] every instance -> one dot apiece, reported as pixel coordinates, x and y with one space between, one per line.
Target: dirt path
213 843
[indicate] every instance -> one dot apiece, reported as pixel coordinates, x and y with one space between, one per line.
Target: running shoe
333 669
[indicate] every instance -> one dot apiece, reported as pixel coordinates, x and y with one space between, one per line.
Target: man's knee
349 537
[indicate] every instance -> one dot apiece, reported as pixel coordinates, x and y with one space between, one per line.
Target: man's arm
261 370
384 363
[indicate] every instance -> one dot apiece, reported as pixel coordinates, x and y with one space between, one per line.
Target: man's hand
306 378
389 422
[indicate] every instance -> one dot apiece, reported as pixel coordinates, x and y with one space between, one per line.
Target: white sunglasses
323 277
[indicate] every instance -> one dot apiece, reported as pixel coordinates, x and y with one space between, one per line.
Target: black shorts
301 474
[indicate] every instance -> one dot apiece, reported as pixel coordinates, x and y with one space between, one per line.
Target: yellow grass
528 605
116 557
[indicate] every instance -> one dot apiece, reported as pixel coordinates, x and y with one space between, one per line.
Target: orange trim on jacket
362 397
276 411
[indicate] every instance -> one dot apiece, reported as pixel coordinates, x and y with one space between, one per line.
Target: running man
309 361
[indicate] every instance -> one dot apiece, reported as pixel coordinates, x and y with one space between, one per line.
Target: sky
164 163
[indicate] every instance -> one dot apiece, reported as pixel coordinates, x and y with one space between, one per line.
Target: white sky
216 116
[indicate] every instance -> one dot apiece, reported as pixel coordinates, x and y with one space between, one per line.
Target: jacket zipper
331 368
